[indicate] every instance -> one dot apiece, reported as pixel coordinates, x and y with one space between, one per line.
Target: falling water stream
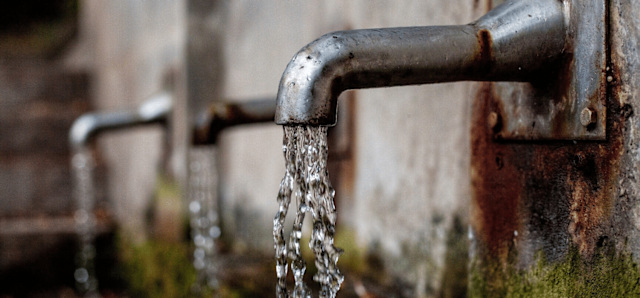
83 164
203 210
306 179
203 214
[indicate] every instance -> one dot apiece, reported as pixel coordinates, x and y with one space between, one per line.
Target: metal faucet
154 110
518 41
222 115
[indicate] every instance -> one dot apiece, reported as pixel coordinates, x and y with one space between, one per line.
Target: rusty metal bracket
567 103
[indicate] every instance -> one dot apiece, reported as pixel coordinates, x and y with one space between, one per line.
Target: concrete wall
409 174
132 47
412 165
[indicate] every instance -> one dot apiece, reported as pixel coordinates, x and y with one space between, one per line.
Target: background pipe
222 115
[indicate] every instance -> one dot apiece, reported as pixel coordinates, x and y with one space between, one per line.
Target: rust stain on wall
495 180
557 193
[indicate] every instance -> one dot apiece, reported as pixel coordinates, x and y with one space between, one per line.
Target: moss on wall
607 274
455 273
157 269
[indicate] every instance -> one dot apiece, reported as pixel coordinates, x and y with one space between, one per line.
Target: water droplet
199 240
281 270
194 206
81 275
198 264
198 253
202 193
82 164
214 232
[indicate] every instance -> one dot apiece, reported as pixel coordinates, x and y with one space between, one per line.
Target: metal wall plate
567 103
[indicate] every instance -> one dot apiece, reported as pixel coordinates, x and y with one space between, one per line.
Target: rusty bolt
493 120
587 117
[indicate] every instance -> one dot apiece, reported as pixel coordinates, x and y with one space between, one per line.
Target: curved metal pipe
511 43
154 110
222 115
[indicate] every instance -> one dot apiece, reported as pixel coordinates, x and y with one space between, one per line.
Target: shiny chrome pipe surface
222 115
513 42
154 110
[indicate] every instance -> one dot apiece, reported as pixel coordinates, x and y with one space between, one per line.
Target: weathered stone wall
412 166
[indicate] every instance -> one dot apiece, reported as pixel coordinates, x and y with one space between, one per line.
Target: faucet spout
154 110
513 42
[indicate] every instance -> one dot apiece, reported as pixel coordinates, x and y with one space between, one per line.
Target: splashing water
306 177
204 214
83 164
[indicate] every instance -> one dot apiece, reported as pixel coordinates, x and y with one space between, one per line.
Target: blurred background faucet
156 109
